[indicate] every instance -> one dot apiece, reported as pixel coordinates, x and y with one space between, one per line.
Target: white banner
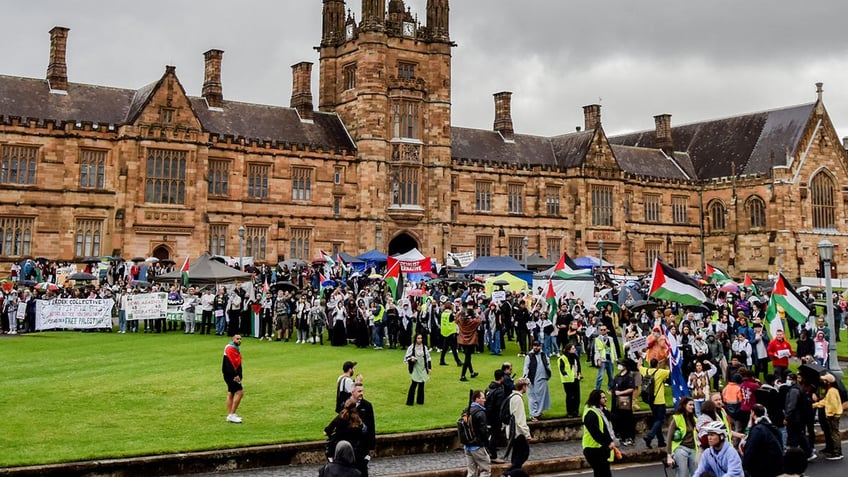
147 306
73 313
21 314
638 344
175 314
459 259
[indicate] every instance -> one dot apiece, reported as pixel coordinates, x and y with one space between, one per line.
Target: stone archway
162 252
402 244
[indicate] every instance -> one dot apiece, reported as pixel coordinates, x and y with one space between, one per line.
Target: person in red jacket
231 368
779 350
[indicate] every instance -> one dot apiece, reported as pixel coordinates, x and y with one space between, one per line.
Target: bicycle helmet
713 427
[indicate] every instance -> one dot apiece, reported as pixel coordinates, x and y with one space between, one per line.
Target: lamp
241 247
779 260
825 247
526 242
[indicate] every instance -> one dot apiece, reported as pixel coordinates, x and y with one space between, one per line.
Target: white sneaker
234 418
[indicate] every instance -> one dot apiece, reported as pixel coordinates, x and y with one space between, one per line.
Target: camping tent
205 270
583 287
494 265
589 261
515 283
373 256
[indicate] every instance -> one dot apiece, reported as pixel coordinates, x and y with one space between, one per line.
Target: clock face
349 32
408 29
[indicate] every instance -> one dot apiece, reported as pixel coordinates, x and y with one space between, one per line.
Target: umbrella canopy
802 289
730 287
640 305
90 260
151 259
28 283
81 277
602 304
140 284
501 283
415 292
372 256
168 261
207 270
45 286
293 263
812 372
284 285
137 259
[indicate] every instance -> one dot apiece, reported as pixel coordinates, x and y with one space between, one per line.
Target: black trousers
572 398
520 452
597 459
450 342
467 350
412 393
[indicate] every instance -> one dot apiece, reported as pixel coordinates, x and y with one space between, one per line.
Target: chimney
591 117
212 89
503 114
663 139
301 98
57 69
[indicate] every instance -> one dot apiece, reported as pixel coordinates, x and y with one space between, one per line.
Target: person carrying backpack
653 393
763 451
495 397
476 455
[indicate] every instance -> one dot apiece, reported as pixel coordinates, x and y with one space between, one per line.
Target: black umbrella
140 284
168 261
139 259
81 276
812 373
90 260
29 283
284 285
640 305
501 283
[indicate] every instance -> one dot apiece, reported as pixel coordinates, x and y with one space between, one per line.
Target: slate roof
31 98
648 162
748 140
524 150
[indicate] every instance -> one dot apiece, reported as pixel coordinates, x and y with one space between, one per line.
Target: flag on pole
184 271
786 297
566 268
670 285
327 259
550 297
748 283
265 289
321 286
715 274
394 278
343 265
679 385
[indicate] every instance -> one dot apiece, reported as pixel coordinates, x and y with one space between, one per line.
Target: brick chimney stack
57 69
301 98
591 117
663 139
212 89
503 114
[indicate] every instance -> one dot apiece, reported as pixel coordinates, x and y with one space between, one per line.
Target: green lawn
76 396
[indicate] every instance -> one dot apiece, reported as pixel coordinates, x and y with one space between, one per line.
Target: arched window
717 215
756 212
824 205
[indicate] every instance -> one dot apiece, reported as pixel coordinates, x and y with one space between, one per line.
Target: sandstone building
94 170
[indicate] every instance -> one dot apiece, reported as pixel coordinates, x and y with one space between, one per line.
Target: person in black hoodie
343 464
495 396
763 455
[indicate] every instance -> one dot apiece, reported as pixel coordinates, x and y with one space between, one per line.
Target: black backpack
505 414
494 398
647 390
465 427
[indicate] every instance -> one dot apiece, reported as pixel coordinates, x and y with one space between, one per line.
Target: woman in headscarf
343 464
623 389
417 359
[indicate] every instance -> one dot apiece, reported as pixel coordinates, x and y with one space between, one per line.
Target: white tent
411 256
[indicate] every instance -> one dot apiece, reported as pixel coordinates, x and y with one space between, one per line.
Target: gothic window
653 251
483 196
717 214
301 184
756 212
515 193
554 248
337 205
18 164
300 243
823 203
255 239
454 211
88 237
349 74
405 186
681 255
652 207
483 246
602 205
15 236
338 175
166 174
679 208
218 239
628 200
218 179
516 248
92 169
405 120
552 200
257 181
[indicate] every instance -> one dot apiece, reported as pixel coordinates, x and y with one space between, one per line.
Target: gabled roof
754 142
31 98
481 145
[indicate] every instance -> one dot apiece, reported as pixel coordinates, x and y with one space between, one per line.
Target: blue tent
590 262
492 265
373 256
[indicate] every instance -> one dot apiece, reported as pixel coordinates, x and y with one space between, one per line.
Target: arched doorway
402 244
162 252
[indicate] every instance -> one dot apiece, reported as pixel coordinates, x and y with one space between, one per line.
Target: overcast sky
695 60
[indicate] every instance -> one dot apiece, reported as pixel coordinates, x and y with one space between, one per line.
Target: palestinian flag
715 274
343 265
785 296
748 283
670 285
394 277
184 271
550 298
321 286
566 268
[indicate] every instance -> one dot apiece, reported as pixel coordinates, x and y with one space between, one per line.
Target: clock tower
388 78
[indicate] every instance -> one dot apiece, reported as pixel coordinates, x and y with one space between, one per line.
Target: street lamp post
600 255
826 255
241 247
526 242
779 260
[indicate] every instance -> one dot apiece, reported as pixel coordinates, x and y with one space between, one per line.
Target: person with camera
417 359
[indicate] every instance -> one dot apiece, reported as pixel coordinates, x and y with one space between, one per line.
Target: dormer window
166 115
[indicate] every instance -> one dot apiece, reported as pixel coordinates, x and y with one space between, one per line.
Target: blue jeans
220 324
495 342
378 333
605 365
698 404
122 320
548 344
684 457
658 411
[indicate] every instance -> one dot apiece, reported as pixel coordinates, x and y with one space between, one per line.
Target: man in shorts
231 368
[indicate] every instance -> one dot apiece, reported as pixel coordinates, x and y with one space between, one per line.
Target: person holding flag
779 350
